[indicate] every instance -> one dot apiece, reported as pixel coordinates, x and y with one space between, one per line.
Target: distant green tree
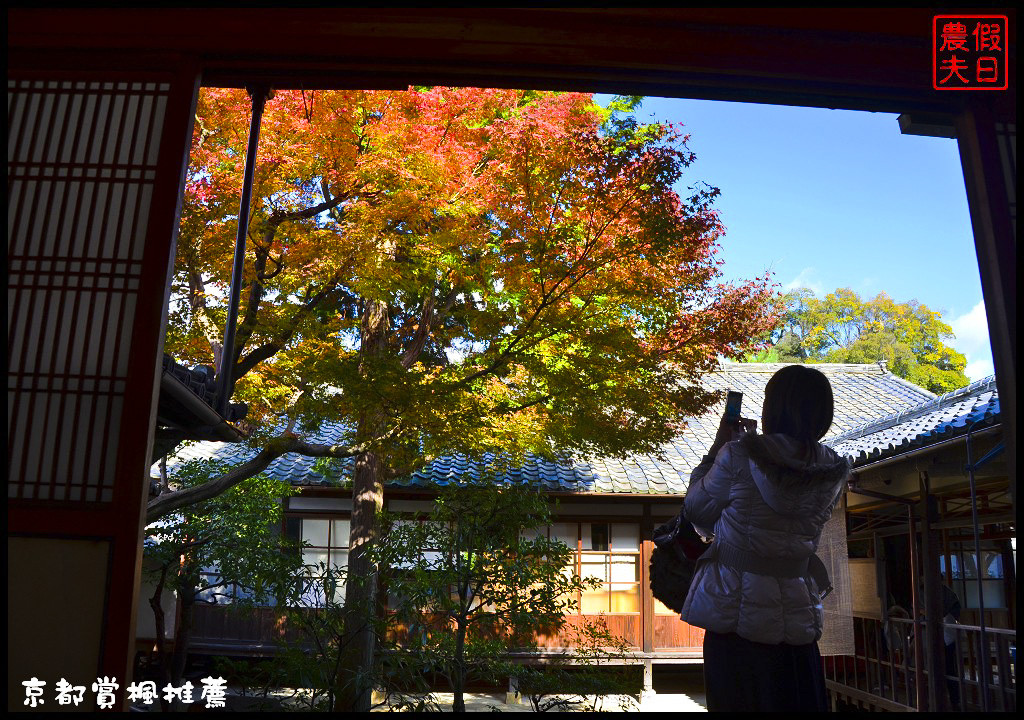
843 328
798 338
767 355
787 350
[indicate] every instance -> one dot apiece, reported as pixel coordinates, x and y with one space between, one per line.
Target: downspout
914 600
259 96
971 467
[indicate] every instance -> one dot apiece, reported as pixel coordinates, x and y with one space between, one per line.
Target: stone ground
675 690
653 702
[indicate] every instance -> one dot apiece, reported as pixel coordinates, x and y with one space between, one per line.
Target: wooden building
930 505
607 509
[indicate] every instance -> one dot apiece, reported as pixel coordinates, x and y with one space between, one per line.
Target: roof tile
875 413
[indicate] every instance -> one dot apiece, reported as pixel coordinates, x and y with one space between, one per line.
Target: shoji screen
82 162
95 162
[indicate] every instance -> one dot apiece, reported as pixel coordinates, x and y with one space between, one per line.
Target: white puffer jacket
765 496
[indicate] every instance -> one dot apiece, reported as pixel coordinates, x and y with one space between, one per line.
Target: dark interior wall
850 58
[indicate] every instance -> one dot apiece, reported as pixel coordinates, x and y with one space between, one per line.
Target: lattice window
325 557
82 159
611 553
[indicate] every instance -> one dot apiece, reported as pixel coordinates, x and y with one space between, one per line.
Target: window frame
607 586
330 549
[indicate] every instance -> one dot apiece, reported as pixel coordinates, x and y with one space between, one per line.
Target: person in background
951 616
895 634
765 499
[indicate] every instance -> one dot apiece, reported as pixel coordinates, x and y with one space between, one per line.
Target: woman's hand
729 430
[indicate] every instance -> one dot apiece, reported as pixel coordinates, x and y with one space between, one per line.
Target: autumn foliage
451 270
460 270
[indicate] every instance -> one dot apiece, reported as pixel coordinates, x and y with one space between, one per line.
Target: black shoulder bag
677 548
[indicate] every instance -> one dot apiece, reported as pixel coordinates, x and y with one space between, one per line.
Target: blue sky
836 198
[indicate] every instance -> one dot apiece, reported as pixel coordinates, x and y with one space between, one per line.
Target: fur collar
787 460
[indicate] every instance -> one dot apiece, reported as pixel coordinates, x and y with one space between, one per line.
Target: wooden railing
882 674
228 630
625 627
671 633
224 629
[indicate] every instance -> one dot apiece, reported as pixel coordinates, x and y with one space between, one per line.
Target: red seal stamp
969 52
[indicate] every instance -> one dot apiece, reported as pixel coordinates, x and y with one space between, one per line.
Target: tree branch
524 406
254 358
422 333
247 326
164 504
329 203
275 448
268 350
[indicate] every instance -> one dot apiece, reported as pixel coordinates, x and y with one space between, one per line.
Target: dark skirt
745 676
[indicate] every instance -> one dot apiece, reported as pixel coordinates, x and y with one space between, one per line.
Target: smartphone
733 402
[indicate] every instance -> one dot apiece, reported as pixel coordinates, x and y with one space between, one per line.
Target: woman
765 498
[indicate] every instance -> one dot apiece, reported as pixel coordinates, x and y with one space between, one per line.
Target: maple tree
842 327
454 270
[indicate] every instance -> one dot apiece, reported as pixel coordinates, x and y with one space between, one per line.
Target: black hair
798 402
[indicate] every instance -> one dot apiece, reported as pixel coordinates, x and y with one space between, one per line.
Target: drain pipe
259 96
984 655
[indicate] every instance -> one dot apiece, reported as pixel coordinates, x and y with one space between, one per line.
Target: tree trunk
367 500
164 664
183 635
361 588
459 676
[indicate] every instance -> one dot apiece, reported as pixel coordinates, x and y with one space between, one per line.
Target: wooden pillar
986 132
933 637
647 599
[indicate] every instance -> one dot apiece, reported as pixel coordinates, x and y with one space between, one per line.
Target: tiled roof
863 393
291 468
930 422
201 379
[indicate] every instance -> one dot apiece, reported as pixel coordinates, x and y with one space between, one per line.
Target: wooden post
646 598
934 641
915 608
986 135
512 695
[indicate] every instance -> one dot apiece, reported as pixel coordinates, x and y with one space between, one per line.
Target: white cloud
805 279
868 287
971 330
